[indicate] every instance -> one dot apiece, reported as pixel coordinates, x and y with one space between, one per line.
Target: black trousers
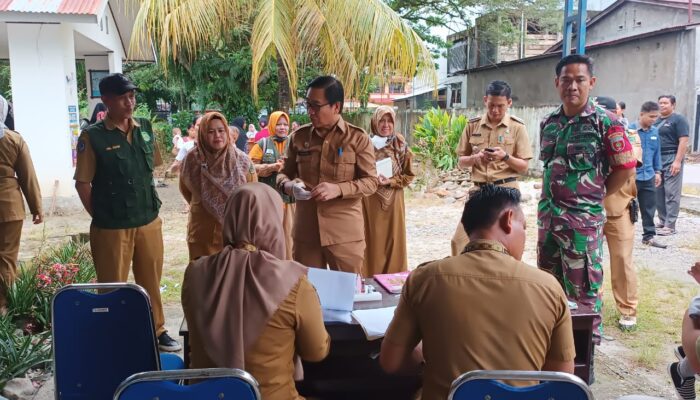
646 194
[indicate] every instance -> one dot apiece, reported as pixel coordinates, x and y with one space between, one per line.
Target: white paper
300 193
379 142
374 322
336 290
336 316
385 167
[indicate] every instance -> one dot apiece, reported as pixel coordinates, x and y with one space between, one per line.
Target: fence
406 120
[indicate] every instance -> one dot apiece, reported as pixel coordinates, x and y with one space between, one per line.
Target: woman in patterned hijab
210 173
384 211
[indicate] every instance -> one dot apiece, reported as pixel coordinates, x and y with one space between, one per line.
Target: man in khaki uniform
517 317
619 233
114 179
495 146
17 177
329 167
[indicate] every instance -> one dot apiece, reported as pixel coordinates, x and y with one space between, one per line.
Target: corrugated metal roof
80 7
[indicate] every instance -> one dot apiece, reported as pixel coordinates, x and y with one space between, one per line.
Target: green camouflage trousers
575 256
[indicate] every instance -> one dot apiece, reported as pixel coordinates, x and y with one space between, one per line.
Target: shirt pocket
509 144
148 155
548 143
306 166
121 159
477 143
344 166
581 156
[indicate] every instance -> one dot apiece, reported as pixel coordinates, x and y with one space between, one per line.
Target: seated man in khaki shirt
483 309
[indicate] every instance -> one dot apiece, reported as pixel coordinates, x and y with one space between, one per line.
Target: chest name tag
115 147
304 153
146 136
100 310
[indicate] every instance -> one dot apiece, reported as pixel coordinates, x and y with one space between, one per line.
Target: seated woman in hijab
248 308
210 172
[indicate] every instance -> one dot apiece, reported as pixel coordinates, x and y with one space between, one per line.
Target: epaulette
475 119
517 119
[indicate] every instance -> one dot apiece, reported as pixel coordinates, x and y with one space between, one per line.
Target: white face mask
379 141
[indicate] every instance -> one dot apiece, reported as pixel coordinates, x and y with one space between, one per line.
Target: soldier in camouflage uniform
585 151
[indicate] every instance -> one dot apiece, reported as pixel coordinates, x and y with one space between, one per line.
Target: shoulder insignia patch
81 146
617 141
146 136
517 119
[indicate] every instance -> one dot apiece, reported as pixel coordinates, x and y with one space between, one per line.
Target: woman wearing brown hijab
384 211
246 307
211 171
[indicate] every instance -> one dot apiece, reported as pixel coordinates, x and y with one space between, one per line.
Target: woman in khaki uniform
248 308
384 212
210 172
17 177
268 155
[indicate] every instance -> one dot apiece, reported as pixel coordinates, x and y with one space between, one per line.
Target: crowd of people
263 211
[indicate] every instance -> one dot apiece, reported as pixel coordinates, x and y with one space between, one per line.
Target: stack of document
374 322
336 292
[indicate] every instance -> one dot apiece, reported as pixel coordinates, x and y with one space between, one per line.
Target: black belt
498 182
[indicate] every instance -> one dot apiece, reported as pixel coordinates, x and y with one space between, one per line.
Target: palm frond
184 26
350 37
272 35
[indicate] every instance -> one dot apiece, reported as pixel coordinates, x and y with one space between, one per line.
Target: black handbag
634 210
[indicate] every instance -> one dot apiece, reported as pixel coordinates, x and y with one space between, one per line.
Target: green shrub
19 352
25 330
182 120
436 137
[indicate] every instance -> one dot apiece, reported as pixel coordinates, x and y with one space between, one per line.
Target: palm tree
347 37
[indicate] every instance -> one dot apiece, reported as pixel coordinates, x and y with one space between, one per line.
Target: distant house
641 48
390 89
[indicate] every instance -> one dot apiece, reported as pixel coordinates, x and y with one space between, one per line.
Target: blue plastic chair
99 339
480 385
212 384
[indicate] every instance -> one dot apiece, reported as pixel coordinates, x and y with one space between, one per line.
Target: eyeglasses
314 106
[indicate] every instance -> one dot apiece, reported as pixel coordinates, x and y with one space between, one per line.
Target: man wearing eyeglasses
330 166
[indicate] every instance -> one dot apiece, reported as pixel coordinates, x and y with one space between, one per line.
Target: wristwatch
507 156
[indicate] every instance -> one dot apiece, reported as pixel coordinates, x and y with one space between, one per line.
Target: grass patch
659 317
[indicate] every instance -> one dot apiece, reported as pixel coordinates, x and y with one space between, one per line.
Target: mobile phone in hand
490 150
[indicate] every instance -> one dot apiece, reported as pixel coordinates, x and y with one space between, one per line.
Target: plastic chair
99 339
213 384
479 385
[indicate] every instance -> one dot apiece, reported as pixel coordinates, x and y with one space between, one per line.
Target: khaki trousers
346 257
287 223
460 239
619 232
10 233
113 251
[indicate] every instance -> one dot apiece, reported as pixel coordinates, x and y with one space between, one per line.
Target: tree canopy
346 38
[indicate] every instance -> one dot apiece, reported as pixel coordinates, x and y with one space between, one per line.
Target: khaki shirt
510 134
17 176
296 328
481 310
345 157
616 203
86 162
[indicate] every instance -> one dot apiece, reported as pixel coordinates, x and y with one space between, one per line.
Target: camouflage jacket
578 154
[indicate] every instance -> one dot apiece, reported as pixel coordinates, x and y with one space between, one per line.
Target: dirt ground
430 225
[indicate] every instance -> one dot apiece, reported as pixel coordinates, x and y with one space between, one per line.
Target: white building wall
93 63
42 66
